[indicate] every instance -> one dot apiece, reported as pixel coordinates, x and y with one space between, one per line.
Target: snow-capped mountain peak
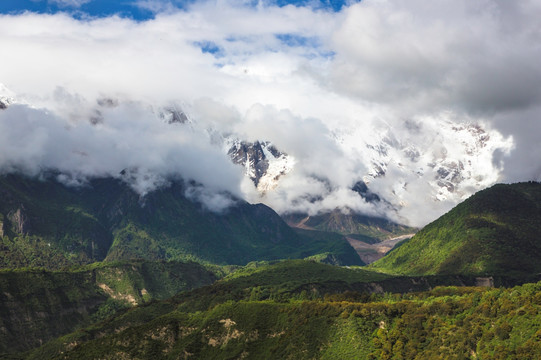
6 97
263 163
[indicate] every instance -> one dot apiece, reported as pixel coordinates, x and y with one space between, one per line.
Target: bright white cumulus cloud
328 88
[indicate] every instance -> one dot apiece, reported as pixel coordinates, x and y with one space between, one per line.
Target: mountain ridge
495 231
322 312
450 166
46 224
250 310
366 228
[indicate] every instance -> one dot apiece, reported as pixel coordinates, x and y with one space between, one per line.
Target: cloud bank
406 83
128 141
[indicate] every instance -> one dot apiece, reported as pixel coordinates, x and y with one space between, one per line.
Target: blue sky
131 8
98 8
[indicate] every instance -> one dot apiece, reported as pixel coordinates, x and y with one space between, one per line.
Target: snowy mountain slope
451 161
367 167
6 97
263 163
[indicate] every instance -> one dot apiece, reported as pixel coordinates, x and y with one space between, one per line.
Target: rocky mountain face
361 188
5 102
173 114
6 97
263 163
366 228
449 158
371 237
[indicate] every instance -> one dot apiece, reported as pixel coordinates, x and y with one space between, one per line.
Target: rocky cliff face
362 189
36 306
19 221
2 231
370 229
451 163
5 101
264 164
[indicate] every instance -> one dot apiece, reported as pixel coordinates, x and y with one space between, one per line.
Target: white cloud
69 3
460 55
156 6
319 85
129 138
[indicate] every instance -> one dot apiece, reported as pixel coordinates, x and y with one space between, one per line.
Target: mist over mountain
147 146
248 158
425 103
44 223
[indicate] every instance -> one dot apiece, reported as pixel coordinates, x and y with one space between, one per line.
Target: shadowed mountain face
371 237
38 305
496 231
365 228
44 223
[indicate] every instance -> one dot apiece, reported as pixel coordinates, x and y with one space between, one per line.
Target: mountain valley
268 180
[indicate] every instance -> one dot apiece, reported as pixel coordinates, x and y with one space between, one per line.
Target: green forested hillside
334 248
496 231
46 224
38 305
278 311
267 309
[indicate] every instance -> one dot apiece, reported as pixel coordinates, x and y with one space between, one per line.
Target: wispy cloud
69 3
158 6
